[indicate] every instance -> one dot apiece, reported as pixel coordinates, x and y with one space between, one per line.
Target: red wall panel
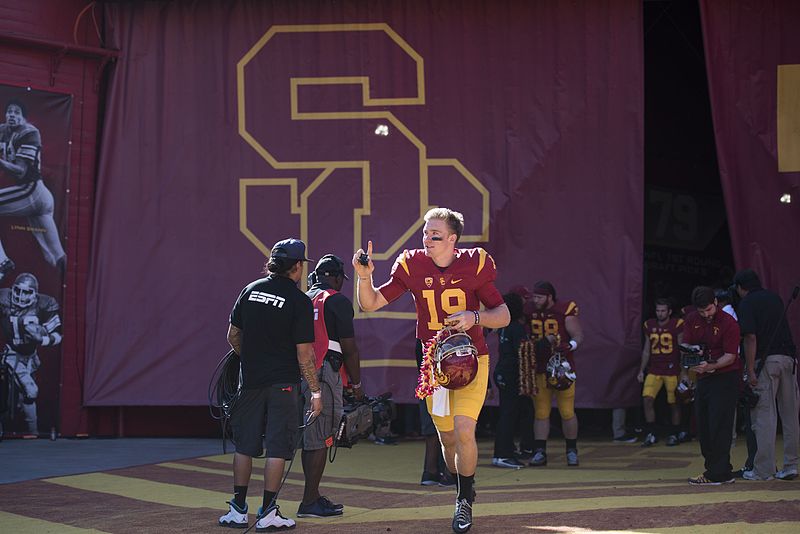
25 64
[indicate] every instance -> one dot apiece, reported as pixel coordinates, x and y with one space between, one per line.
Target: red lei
426 382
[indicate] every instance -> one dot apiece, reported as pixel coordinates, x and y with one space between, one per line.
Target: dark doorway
687 241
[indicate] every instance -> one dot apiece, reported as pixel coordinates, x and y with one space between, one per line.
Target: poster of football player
34 171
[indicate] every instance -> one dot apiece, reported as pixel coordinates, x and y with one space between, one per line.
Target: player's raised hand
362 261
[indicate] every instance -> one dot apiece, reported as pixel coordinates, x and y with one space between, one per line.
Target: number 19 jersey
465 284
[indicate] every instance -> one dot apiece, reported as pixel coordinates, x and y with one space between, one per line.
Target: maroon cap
522 291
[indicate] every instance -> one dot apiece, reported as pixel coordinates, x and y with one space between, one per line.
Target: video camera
692 355
362 418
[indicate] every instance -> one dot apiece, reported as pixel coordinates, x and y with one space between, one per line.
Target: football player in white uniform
22 192
29 319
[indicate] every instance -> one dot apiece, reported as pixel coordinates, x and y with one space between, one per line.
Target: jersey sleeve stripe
481 260
27 152
403 264
53 323
570 307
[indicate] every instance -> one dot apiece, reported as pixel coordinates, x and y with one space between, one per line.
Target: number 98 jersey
551 322
465 284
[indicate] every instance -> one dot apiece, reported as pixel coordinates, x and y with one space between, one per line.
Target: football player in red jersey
449 285
661 359
557 321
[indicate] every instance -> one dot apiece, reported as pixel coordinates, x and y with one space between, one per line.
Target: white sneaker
511 463
273 521
787 474
235 518
751 475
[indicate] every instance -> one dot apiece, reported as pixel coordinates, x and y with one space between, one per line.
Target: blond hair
454 220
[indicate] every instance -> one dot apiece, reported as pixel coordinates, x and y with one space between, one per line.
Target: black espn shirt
761 313
274 317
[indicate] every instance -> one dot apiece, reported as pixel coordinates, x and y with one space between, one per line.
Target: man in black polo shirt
334 345
717 384
272 331
770 354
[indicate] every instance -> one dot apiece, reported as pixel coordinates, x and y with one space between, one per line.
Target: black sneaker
625 438
448 480
462 518
650 440
672 440
684 437
331 504
429 479
318 508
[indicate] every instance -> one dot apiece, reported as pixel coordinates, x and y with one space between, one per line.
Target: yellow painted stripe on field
563 505
164 493
144 490
324 483
187 497
378 489
20 524
155 492
778 527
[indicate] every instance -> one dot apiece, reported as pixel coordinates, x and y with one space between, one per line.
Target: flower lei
426 381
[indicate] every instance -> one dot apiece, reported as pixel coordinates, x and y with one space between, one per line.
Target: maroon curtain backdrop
753 60
231 125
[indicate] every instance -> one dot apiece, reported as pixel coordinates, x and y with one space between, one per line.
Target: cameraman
717 383
770 354
272 330
334 345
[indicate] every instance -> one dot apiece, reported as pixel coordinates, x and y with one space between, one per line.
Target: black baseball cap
290 249
747 279
331 265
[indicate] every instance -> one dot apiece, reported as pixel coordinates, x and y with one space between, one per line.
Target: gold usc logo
310 104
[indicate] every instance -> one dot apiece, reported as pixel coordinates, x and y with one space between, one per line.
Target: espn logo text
267 298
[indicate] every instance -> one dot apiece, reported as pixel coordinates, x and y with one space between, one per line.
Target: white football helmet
25 290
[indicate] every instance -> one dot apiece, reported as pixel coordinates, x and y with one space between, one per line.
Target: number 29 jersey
465 284
664 355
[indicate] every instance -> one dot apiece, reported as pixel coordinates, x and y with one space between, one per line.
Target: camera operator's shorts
653 383
322 432
466 401
543 401
266 417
